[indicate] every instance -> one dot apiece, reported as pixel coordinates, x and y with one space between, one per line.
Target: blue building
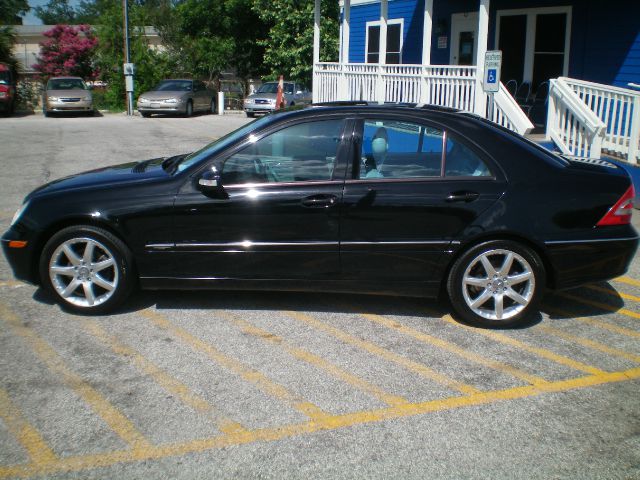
577 60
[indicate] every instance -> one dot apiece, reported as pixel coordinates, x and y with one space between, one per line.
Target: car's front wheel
189 109
496 284
88 269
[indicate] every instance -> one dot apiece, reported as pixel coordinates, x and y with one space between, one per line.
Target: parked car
7 89
68 95
455 204
178 97
264 99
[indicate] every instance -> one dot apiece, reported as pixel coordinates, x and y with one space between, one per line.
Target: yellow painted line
613 293
541 352
316 361
597 323
247 373
603 306
163 379
330 422
120 424
415 367
455 349
30 439
585 342
11 284
628 281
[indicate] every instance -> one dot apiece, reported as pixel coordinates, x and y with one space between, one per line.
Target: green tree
289 42
10 12
56 12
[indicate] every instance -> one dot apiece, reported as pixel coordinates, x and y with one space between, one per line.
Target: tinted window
397 149
304 152
460 160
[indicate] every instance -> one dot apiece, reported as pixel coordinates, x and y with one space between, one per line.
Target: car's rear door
278 214
406 202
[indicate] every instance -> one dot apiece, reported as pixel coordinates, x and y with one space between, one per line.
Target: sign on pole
492 65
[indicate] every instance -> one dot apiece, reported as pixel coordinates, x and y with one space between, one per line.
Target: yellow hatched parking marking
163 379
316 361
585 342
541 352
596 323
250 375
30 439
330 422
415 367
120 424
603 306
450 347
613 293
628 281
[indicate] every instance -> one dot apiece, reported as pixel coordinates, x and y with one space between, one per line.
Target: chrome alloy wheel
83 272
498 284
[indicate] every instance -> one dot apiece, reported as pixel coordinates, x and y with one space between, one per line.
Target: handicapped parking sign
492 65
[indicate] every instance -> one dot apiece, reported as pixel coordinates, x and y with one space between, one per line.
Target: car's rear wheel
87 269
496 284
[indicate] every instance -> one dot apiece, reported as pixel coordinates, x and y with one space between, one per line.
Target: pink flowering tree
67 50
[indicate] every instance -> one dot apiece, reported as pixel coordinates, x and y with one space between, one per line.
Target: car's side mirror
210 183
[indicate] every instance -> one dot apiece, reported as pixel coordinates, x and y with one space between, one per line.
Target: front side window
299 153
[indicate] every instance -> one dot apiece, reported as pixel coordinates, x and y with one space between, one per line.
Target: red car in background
7 89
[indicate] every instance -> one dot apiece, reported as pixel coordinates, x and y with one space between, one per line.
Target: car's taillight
620 213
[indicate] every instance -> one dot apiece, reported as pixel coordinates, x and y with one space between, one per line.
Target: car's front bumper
161 107
61 106
21 259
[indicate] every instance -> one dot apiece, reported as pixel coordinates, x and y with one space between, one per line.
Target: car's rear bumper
577 262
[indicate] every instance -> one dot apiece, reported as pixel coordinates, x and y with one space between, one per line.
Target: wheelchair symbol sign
491 75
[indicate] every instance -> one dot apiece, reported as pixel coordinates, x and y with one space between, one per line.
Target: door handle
319 201
462 196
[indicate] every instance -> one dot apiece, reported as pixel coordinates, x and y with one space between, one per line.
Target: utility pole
128 67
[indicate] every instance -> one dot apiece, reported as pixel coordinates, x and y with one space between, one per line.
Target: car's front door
276 215
413 189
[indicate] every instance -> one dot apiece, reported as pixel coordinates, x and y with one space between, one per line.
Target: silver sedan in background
264 99
182 96
67 94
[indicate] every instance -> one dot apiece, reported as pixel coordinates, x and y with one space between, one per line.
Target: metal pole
127 59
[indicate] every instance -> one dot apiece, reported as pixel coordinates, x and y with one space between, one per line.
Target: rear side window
396 149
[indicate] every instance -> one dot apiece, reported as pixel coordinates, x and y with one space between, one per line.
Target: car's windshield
272 87
174 86
222 142
4 77
66 84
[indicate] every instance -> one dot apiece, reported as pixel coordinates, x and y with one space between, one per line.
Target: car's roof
177 80
66 78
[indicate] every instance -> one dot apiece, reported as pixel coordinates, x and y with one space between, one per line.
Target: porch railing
619 110
571 124
442 85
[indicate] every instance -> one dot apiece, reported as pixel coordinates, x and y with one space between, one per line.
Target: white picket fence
586 118
441 85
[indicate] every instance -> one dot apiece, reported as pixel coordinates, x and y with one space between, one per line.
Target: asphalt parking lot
190 385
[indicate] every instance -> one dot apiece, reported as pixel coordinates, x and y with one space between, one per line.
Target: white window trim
375 23
529 46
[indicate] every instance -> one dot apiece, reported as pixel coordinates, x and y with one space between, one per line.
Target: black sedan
394 200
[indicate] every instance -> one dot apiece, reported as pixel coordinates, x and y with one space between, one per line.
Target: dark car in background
7 89
393 200
180 96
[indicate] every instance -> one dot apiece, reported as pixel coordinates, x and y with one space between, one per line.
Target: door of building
464 38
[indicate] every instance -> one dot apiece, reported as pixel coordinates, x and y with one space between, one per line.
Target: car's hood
263 95
108 176
69 93
154 95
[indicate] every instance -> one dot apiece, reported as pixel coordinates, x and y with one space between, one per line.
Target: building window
394 41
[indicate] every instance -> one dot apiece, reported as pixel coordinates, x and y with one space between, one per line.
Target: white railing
571 124
442 85
619 110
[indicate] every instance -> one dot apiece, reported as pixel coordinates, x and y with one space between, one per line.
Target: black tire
212 107
108 264
506 297
250 114
189 109
145 114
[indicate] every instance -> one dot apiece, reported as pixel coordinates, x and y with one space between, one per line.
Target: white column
426 35
346 31
384 17
483 36
316 48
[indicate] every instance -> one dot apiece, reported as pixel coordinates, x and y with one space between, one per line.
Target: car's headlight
171 100
19 213
52 99
143 100
248 101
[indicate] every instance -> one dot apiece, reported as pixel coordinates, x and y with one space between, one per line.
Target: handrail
508 113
